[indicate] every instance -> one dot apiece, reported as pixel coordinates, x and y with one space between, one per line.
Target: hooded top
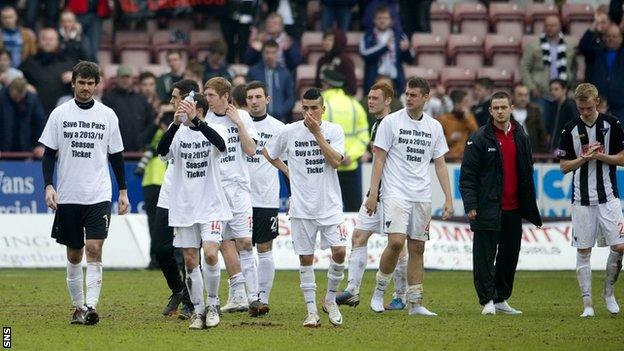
338 61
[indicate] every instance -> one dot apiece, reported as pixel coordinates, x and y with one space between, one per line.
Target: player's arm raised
332 157
247 142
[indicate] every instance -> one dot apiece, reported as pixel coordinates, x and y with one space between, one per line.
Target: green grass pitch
35 304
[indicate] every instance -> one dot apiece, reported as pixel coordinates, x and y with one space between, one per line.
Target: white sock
74 284
415 294
308 287
614 265
400 278
357 264
212 278
94 283
237 284
195 286
266 274
250 271
382 282
335 274
583 274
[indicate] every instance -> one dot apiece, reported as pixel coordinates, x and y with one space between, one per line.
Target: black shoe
186 311
257 308
172 306
78 317
91 316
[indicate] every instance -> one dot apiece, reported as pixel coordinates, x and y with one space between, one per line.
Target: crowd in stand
36 58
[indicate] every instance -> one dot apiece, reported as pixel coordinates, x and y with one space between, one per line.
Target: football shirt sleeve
277 145
566 146
50 135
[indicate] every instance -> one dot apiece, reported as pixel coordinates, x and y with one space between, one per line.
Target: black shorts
265 225
73 223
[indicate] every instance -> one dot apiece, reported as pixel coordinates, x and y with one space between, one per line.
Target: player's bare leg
415 272
614 266
75 284
93 249
358 259
237 297
387 264
308 287
212 277
400 282
584 276
266 273
335 274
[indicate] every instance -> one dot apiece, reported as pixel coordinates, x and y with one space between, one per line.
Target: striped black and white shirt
594 182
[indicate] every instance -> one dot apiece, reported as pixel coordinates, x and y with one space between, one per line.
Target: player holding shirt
379 98
240 143
265 187
85 135
197 204
314 149
406 142
591 147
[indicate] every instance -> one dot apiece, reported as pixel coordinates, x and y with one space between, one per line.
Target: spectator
195 72
483 93
415 16
551 56
235 27
90 14
18 41
597 32
384 50
395 103
239 96
529 117
565 111
73 44
135 113
239 79
289 52
616 11
439 103
346 111
336 14
458 124
49 71
334 43
278 80
605 65
214 63
294 13
147 87
369 8
21 119
7 73
51 13
165 82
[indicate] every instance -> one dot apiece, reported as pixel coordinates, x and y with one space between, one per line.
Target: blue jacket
292 56
372 51
282 91
27 121
609 84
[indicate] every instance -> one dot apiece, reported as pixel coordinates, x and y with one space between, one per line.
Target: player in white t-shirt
265 187
197 203
85 135
406 142
314 149
379 99
240 142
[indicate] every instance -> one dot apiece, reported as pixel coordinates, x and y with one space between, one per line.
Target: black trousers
150 194
495 257
351 189
165 252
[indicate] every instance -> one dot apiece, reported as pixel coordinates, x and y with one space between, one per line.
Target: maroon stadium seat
507 18
353 42
502 51
131 45
441 19
470 18
430 74
311 42
105 56
314 56
458 78
199 41
577 18
466 50
305 77
536 13
136 58
430 50
156 69
161 43
503 78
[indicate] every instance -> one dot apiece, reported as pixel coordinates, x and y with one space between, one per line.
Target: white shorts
241 224
304 235
406 217
369 223
193 236
602 222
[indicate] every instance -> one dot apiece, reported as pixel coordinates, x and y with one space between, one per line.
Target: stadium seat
503 78
156 69
502 51
470 18
161 43
535 15
314 56
577 17
110 71
137 58
357 59
183 24
131 45
466 50
305 77
353 42
430 50
458 78
105 56
441 18
430 74
199 41
311 42
507 18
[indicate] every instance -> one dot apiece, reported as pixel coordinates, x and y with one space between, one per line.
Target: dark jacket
44 72
338 61
481 111
135 115
565 113
76 49
610 84
372 52
292 56
481 178
164 86
210 72
536 130
282 90
21 123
